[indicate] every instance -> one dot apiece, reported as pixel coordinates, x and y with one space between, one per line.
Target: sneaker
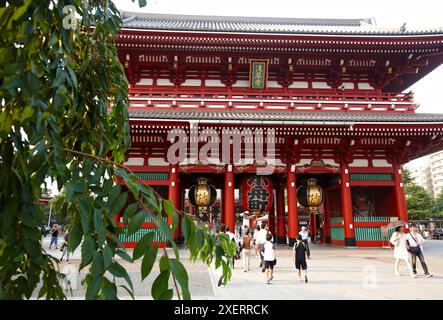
220 282
306 279
397 273
244 270
428 275
413 275
268 281
272 278
300 279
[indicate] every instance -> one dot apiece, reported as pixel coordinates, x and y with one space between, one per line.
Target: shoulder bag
415 249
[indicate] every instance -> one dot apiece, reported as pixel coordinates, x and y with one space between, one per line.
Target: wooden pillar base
350 242
280 240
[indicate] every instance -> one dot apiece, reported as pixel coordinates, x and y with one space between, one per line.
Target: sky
390 13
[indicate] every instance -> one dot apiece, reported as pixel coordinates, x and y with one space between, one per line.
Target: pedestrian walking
261 240
398 239
54 236
64 247
219 270
254 240
415 242
246 250
299 252
305 235
269 258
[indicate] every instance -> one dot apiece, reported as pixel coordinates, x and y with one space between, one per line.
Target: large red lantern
256 194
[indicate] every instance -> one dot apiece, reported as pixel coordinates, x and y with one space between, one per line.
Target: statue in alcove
361 203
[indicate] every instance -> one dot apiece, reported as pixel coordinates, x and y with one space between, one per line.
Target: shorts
54 240
269 264
302 264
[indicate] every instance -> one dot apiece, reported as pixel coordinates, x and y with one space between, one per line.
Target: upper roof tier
230 24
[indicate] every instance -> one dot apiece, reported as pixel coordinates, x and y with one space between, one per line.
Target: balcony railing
308 101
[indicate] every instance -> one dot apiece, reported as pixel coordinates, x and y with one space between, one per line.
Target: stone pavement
337 273
334 273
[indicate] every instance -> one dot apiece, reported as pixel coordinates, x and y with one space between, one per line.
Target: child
269 258
300 258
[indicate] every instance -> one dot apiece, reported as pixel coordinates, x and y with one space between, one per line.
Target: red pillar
228 198
346 205
400 199
291 185
328 209
271 216
280 205
173 194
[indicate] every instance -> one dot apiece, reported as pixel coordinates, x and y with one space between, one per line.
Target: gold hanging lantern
202 196
310 195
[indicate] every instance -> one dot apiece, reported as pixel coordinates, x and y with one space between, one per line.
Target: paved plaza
333 272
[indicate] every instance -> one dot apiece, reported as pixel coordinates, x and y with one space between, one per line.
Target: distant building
430 174
436 171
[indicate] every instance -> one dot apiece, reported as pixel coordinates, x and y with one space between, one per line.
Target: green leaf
200 238
97 266
175 221
168 206
21 11
136 222
166 295
142 3
107 256
94 287
117 270
186 227
164 228
180 274
148 261
88 249
143 245
27 113
160 285
75 237
124 256
84 205
119 203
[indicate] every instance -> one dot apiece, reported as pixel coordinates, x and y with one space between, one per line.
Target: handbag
415 249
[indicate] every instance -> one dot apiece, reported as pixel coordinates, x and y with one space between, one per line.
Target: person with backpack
300 251
246 249
305 235
269 258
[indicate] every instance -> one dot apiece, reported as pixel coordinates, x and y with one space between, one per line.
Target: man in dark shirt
300 258
54 236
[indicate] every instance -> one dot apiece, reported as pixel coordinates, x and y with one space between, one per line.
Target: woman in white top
398 239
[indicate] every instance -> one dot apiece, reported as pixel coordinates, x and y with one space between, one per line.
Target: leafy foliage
63 115
418 201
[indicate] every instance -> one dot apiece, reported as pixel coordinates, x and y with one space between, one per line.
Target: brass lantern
310 195
202 195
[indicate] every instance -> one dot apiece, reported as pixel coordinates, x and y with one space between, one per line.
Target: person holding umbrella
399 239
